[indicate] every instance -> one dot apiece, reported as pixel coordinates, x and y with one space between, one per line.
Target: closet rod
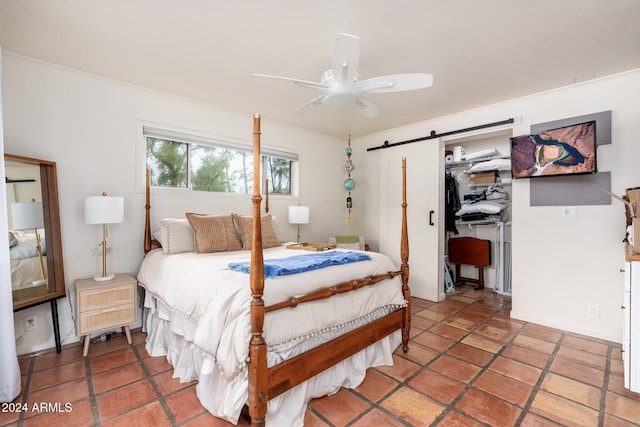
438 135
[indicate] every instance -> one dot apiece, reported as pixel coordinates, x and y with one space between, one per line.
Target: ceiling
479 52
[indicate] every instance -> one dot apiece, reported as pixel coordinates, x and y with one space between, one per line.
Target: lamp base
40 282
104 278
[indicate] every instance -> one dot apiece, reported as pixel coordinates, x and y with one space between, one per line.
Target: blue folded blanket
301 263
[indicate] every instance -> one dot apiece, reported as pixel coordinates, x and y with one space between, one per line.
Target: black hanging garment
452 200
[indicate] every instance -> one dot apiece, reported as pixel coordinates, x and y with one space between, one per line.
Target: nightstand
105 305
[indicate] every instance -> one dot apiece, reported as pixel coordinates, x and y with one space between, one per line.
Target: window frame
145 129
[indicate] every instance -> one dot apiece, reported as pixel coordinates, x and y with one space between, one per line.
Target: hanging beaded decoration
349 184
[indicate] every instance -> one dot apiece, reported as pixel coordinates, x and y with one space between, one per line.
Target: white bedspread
201 288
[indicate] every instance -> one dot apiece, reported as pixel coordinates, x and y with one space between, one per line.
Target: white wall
560 265
88 126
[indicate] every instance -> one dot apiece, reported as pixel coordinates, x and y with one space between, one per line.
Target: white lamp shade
103 210
27 215
298 214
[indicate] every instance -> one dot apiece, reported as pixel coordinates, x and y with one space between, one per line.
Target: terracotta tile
74 415
483 343
578 372
419 354
118 342
377 418
470 354
461 323
542 332
516 370
56 375
499 334
623 407
436 386
167 384
582 357
158 364
448 306
413 407
376 385
125 398
421 324
208 420
616 367
448 331
533 420
150 414
142 351
112 359
401 369
431 315
434 341
582 343
339 408
505 388
312 420
563 411
52 359
611 421
526 356
70 391
116 377
472 316
9 417
488 409
184 404
455 368
456 419
535 344
572 390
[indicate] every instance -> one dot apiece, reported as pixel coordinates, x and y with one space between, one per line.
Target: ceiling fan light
340 98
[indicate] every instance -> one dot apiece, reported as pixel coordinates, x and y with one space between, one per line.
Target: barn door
425 213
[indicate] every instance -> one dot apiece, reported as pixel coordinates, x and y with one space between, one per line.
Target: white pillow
176 236
485 207
491 165
277 228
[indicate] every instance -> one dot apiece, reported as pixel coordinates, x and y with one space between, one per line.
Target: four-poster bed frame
266 383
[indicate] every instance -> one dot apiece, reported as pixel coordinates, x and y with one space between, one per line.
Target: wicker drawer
105 318
107 297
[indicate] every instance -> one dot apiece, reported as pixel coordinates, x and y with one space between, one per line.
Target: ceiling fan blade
295 82
366 107
396 82
346 56
311 104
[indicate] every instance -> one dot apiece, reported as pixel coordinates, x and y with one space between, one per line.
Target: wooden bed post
147 218
258 381
404 257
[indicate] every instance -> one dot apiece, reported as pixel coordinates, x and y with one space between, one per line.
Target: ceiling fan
341 83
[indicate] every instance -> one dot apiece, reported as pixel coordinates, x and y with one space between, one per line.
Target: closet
482 215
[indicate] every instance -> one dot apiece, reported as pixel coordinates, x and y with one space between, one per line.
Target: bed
28 269
261 331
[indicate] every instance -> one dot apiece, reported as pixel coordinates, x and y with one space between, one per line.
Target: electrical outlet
593 311
570 212
30 323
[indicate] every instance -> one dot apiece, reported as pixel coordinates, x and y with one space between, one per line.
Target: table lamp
28 216
298 215
104 210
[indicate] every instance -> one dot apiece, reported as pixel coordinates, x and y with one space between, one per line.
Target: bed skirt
170 335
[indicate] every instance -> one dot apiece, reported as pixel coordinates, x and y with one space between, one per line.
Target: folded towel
301 263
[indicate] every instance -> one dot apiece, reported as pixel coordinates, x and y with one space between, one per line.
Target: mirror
35 239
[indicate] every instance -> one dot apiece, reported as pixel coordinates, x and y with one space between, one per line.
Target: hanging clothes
452 201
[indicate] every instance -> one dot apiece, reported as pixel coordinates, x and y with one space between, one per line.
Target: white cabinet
631 338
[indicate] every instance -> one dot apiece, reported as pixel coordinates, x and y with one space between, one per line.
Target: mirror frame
53 234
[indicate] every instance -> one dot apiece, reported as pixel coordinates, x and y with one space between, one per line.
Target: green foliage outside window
208 168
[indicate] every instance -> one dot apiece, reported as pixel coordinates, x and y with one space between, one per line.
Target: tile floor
468 364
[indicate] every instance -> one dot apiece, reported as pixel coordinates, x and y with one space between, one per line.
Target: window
179 160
